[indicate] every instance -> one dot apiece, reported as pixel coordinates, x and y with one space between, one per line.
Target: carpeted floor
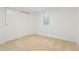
39 43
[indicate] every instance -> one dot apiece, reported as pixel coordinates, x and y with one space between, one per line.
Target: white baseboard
57 37
6 40
62 38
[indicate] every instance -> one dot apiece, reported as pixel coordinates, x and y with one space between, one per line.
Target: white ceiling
33 9
38 9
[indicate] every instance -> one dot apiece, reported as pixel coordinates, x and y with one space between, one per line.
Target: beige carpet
39 43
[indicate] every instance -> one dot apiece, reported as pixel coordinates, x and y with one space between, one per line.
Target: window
45 18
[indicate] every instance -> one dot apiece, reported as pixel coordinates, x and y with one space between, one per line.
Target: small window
45 18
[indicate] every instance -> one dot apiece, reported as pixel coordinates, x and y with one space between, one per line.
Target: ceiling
33 9
39 9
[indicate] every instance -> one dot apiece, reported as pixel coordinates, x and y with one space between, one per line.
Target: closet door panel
2 25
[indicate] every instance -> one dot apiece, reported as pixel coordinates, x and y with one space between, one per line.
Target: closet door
2 24
17 24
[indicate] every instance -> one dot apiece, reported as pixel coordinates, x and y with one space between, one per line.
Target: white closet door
2 24
17 24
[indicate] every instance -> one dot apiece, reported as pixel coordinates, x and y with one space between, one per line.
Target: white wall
63 24
2 24
18 24
32 23
77 25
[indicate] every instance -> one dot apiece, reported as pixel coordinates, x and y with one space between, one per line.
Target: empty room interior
39 29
